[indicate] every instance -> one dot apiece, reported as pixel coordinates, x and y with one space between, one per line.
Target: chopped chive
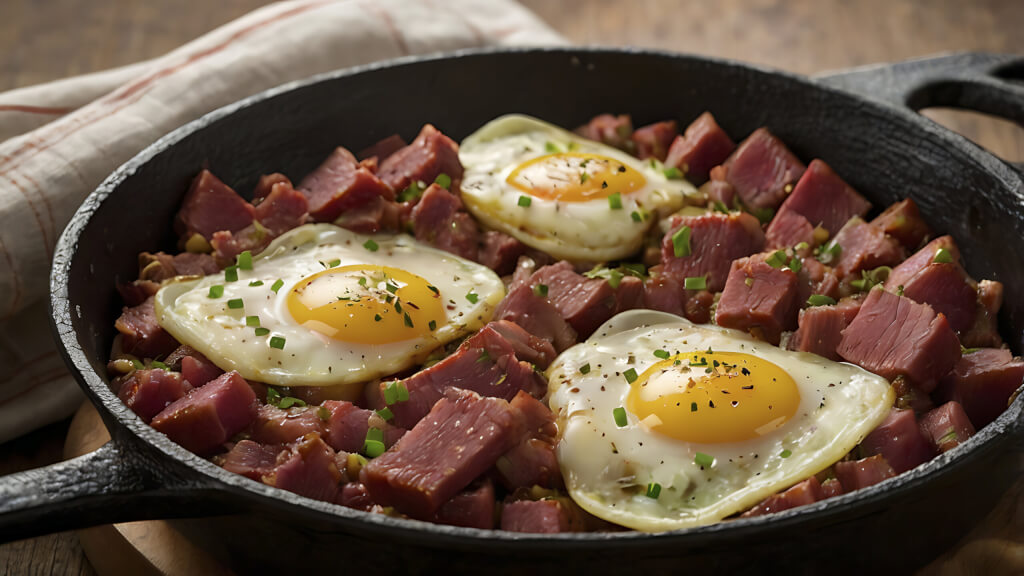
277 285
635 269
551 147
375 434
231 274
252 321
262 331
411 192
403 392
703 460
289 401
949 436
636 216
524 201
334 263
407 319
432 325
373 448
663 354
777 259
630 375
385 413
390 393
362 281
620 416
653 490
693 406
434 290
673 173
324 413
681 242
370 245
795 264
614 278
801 246
968 350
158 364
584 176
137 365
277 342
785 454
377 318
444 181
273 396
540 289
719 206
696 283
615 201
473 297
585 369
942 256
256 283
216 291
749 281
245 260
391 287
830 253
820 300
236 303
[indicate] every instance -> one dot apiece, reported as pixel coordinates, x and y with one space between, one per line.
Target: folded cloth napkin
60 140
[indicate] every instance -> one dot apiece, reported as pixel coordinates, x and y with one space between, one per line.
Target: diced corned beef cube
527 347
173 360
535 516
789 228
909 268
893 335
276 426
807 492
664 293
629 295
715 241
347 424
485 363
945 286
984 333
903 222
899 441
698 306
653 140
438 220
430 155
162 266
820 331
703 146
383 148
197 370
857 474
759 299
823 199
830 488
148 392
141 335
462 436
720 193
228 245
500 252
816 278
536 315
189 264
251 459
355 495
266 184
585 303
532 461
983 382
763 170
137 292
208 416
283 209
339 185
307 469
211 206
376 215
614 131
471 508
864 247
947 426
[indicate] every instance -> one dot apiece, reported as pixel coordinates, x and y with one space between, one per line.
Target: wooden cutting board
994 548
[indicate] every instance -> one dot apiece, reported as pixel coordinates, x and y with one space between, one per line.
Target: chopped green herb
949 436
777 259
323 413
390 393
216 291
411 192
673 173
942 256
719 206
764 215
245 260
620 416
473 297
636 216
334 263
273 396
693 406
385 413
785 454
236 303
375 434
829 253
615 201
231 274
256 283
277 285
663 354
540 289
899 290
820 300
373 448
391 287
681 242
262 331
432 325
524 201
634 269
584 176
407 320
801 246
158 364
289 401
585 369
444 181
137 364
749 281
252 321
277 342
370 245
795 264
968 350
703 460
551 148
630 375
434 290
653 490
403 392
695 283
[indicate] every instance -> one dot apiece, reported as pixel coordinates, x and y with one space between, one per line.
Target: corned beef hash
546 331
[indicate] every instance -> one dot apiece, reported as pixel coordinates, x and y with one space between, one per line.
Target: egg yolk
367 304
712 397
575 177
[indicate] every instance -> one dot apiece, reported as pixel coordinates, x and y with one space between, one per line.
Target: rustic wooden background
43 40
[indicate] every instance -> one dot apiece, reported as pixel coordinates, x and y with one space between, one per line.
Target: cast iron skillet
873 140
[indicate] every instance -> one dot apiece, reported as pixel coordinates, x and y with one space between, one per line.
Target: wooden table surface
44 40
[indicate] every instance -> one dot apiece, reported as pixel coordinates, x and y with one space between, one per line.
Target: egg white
607 468
309 358
577 231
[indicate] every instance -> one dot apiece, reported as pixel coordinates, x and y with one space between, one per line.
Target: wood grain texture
42 40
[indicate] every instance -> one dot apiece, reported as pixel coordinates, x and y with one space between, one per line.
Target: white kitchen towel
61 139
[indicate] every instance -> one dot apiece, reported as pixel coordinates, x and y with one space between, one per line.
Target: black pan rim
861 502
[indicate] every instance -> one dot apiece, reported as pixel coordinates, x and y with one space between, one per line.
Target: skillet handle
109 485
982 82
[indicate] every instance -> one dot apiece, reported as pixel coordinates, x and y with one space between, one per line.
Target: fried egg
553 190
665 424
323 306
